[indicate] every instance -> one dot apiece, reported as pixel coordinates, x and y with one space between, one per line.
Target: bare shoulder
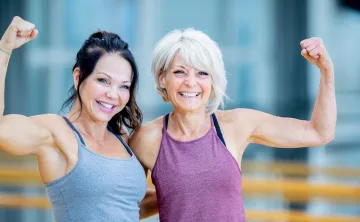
46 119
61 132
234 115
249 119
237 126
52 122
149 134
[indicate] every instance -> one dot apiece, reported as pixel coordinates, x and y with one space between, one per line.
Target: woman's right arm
19 135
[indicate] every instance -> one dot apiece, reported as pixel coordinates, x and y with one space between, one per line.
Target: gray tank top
98 188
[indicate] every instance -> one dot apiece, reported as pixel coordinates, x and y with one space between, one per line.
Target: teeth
108 106
189 94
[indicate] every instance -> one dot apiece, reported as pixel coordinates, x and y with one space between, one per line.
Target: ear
76 76
162 79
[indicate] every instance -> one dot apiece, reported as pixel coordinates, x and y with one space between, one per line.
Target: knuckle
16 19
13 27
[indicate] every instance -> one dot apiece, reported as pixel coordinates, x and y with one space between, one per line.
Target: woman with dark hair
88 169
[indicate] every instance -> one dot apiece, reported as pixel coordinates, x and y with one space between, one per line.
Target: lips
105 105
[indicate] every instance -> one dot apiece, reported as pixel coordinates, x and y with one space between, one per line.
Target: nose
190 80
112 93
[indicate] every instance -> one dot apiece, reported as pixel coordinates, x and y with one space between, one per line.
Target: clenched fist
314 51
18 33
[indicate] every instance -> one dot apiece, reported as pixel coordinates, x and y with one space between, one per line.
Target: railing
290 190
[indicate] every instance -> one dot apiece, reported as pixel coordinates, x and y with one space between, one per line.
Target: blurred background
260 43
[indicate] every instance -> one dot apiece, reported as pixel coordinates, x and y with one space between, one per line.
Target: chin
103 117
192 108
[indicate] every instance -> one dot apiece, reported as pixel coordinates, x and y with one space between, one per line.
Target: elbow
324 134
143 214
146 213
327 138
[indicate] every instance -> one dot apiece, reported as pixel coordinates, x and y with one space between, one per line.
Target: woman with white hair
195 152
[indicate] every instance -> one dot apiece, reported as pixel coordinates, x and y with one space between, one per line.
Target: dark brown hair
94 47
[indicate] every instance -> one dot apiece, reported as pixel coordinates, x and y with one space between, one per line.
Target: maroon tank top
198 180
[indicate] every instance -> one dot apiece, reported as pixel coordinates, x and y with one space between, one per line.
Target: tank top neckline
215 128
83 145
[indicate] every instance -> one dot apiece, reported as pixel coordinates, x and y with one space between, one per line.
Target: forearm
148 206
4 61
324 115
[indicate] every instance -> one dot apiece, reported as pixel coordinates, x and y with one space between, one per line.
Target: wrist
5 49
327 75
327 70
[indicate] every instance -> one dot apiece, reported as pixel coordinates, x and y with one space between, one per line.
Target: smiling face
105 92
187 88
195 52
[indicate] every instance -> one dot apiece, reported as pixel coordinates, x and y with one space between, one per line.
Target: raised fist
18 33
313 49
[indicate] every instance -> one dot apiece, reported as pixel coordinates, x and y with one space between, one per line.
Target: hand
314 51
18 33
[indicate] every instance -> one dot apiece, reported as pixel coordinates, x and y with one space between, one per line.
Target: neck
190 124
87 125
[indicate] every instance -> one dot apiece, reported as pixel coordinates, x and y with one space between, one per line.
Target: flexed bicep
283 132
21 135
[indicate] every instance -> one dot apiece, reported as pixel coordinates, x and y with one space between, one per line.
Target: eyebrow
181 66
111 77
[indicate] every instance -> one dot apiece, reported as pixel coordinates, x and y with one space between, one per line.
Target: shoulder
62 136
229 116
243 116
57 126
52 122
44 118
147 135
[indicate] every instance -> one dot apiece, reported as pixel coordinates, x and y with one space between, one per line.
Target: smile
189 95
105 105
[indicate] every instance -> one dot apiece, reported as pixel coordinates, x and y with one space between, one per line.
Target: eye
102 80
203 74
179 72
124 87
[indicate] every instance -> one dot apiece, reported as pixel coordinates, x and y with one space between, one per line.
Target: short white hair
199 51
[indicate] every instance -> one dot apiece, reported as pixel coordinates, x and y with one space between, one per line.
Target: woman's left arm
291 133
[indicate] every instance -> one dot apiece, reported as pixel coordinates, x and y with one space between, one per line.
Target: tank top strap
77 134
212 121
215 123
121 140
166 121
